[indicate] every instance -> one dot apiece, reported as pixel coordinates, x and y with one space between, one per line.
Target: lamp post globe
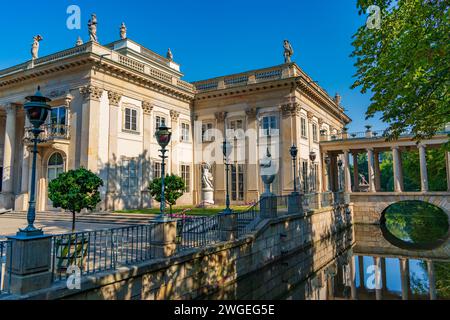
163 136
37 110
226 150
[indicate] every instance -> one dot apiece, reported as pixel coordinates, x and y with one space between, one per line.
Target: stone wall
201 272
368 207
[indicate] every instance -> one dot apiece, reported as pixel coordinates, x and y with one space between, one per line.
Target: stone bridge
368 207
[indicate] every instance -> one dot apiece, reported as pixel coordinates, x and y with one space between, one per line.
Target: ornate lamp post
37 110
163 135
312 157
340 164
226 149
294 153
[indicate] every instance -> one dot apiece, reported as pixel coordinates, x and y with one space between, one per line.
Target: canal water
406 257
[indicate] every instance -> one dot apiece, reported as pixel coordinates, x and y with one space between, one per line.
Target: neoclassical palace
108 100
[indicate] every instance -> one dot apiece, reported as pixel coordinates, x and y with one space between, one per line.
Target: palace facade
108 100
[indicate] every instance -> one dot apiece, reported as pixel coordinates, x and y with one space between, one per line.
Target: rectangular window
303 129
237 182
186 176
129 176
130 119
160 121
314 131
207 132
156 169
58 121
233 127
305 180
184 132
270 125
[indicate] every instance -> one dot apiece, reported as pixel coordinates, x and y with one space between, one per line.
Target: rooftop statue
288 51
79 42
35 47
123 31
169 55
92 27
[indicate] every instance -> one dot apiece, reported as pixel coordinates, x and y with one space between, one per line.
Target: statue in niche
123 31
288 51
35 47
92 27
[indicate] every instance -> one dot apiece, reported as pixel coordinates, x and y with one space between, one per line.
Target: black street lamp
163 136
294 153
226 149
37 110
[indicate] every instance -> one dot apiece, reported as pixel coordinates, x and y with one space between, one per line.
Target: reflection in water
415 225
365 266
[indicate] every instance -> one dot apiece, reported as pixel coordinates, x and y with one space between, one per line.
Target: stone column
334 174
431 280
354 293
252 174
287 138
163 238
347 175
228 227
398 183
220 182
30 261
404 274
447 165
112 185
378 283
147 109
173 161
362 285
21 203
355 172
376 163
371 170
8 156
423 168
325 174
90 127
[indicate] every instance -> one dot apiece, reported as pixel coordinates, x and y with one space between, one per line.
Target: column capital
290 109
395 148
174 115
91 92
147 107
251 112
370 149
11 107
310 115
114 98
220 116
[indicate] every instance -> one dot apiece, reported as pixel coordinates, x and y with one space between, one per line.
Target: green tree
406 65
74 191
174 188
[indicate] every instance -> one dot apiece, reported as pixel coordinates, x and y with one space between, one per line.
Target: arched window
55 166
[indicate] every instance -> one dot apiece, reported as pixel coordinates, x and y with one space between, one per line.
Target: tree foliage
174 188
406 65
75 190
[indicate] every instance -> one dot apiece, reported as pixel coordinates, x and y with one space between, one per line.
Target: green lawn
179 209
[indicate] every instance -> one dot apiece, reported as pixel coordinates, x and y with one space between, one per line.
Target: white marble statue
207 184
92 27
123 31
363 180
35 47
79 42
288 51
207 177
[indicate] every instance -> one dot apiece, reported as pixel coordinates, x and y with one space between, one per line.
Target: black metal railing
5 275
244 219
195 232
101 250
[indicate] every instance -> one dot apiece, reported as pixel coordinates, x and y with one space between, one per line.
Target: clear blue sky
208 38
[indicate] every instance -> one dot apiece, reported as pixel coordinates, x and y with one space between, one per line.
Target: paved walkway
57 222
